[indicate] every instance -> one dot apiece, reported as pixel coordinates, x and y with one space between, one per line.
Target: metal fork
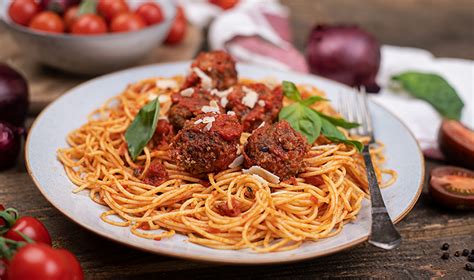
383 233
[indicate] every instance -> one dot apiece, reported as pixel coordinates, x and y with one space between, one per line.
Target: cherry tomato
452 187
456 141
127 22
47 22
224 4
38 261
31 227
22 11
89 24
178 29
150 12
70 16
112 8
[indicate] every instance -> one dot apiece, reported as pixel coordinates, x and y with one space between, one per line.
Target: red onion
13 96
58 6
346 54
10 144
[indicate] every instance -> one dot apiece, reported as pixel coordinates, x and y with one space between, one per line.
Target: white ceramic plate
69 112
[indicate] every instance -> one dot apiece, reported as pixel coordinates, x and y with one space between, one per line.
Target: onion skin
346 54
10 144
13 96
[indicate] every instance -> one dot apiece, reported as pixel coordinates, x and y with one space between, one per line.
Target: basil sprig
311 123
142 128
433 89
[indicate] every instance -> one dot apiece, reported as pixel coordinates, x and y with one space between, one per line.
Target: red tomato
70 16
150 12
89 24
224 4
30 227
22 11
47 22
111 8
38 261
178 29
127 22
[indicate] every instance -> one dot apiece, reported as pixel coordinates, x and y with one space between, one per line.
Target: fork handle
383 233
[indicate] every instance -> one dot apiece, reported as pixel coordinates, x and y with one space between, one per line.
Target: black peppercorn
445 247
469 267
465 252
470 258
456 254
445 256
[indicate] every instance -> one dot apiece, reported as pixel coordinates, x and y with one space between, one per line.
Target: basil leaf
433 89
359 146
302 119
332 133
142 128
312 99
339 121
291 91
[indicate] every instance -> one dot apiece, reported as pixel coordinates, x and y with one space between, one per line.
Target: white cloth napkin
418 115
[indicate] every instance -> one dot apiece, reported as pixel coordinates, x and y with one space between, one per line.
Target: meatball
207 143
163 134
187 104
251 111
277 148
218 65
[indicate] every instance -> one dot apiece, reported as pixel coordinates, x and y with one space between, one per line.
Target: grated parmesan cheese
163 98
222 93
152 96
212 108
261 125
166 84
187 92
206 81
265 174
224 101
250 98
261 103
231 113
237 162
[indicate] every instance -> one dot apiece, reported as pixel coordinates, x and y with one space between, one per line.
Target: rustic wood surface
446 30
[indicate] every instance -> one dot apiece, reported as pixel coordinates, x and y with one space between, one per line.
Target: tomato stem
10 216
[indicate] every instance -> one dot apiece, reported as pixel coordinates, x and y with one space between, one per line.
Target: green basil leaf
86 7
359 146
433 89
333 134
142 128
302 119
312 99
339 121
291 91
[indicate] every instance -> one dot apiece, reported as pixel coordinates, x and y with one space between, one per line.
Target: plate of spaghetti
213 161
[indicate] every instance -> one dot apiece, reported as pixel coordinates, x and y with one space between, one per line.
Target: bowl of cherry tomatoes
88 36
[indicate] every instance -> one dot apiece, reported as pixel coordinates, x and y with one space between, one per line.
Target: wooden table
424 230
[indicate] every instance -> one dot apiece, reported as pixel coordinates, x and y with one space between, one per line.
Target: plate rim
211 258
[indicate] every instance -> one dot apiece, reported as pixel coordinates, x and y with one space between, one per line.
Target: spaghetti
273 217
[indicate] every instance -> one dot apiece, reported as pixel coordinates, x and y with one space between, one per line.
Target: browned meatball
207 143
252 114
277 148
218 65
186 106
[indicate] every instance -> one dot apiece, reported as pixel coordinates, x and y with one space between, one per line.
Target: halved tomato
452 187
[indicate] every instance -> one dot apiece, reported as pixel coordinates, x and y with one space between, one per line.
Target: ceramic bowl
90 55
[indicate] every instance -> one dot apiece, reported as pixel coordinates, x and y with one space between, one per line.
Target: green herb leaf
339 121
87 7
291 91
433 89
302 119
332 133
142 128
312 99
